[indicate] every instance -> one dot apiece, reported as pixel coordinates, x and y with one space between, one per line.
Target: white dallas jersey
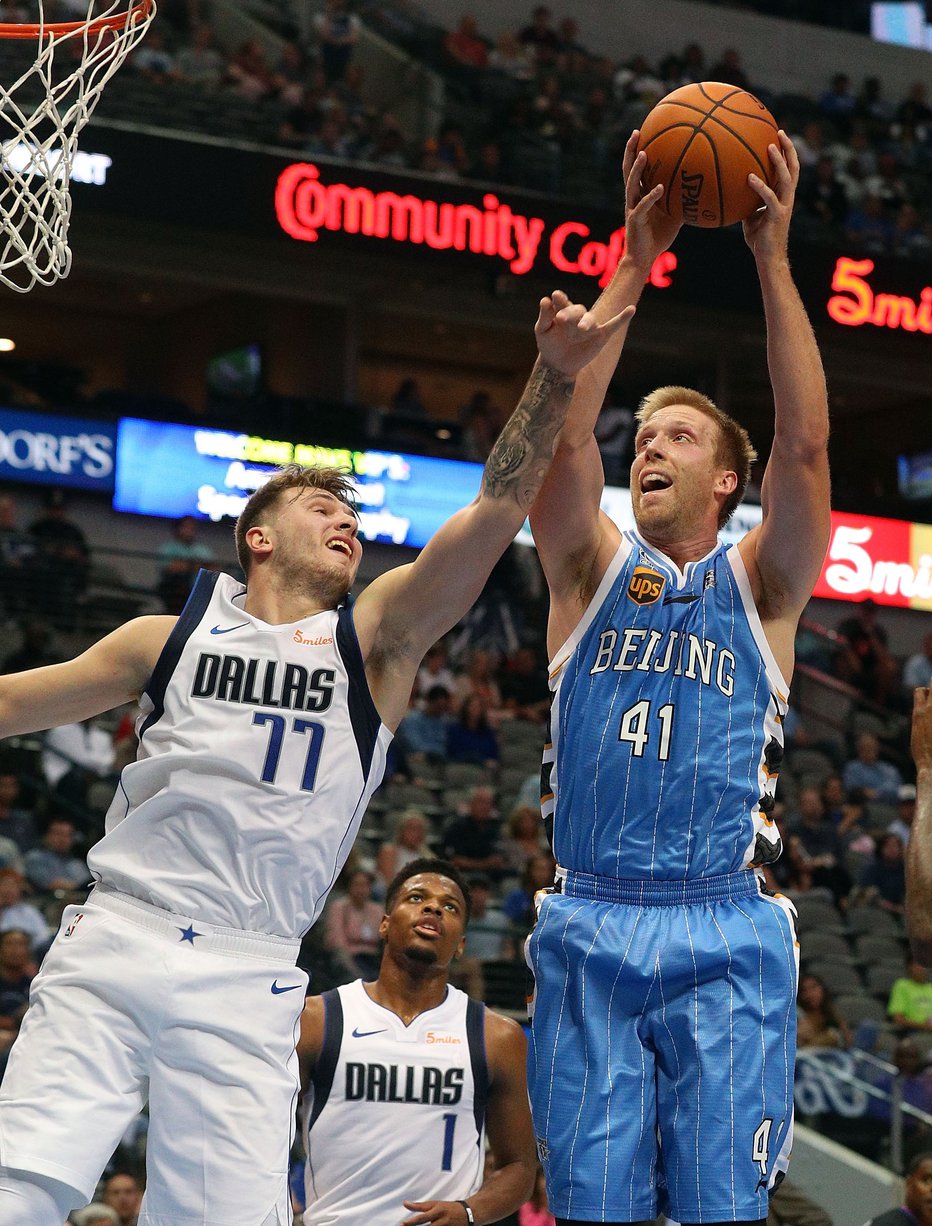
394 1112
259 748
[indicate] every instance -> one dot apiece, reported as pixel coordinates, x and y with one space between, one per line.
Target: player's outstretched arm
510 1133
110 673
919 849
785 554
568 529
404 611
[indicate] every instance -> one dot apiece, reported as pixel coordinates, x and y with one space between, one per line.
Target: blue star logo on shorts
188 934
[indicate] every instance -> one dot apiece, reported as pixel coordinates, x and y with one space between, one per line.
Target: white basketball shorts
133 1004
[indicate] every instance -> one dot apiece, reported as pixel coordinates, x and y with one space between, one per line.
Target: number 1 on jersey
449 1124
276 738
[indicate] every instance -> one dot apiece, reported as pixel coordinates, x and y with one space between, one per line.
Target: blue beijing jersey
666 670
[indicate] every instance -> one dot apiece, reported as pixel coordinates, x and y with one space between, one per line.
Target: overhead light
443 433
6 345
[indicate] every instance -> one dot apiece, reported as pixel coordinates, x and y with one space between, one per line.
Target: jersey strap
475 1037
363 714
326 1064
188 621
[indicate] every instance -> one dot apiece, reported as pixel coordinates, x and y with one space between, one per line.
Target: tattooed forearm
521 456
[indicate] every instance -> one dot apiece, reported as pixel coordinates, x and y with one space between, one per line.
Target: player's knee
25 1197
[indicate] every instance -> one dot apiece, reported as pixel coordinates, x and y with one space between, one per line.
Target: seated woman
471 738
819 1024
409 843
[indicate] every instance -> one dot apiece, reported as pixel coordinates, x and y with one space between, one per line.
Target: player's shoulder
505 1039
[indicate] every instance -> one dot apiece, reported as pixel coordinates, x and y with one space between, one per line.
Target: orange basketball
702 141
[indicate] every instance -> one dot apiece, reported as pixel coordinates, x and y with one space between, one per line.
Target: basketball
702 141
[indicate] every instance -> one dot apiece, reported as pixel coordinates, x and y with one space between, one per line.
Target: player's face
316 533
427 920
919 1192
676 474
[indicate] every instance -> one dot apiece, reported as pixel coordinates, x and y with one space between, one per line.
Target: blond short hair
297 477
735 450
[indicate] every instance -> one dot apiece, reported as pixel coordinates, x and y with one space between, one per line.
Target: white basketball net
41 114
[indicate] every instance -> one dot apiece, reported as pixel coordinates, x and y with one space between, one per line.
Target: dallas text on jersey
266 683
380 1083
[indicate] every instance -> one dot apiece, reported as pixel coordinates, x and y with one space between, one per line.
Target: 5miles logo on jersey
646 585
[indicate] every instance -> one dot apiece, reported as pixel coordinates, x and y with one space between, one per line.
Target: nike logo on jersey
227 629
277 991
682 599
364 1034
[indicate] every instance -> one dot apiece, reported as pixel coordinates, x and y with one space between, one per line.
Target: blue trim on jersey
475 1037
364 717
187 623
326 1064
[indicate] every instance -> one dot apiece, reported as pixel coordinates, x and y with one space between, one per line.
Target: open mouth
653 481
338 545
426 929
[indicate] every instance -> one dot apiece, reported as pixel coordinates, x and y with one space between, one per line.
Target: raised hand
767 231
648 231
569 336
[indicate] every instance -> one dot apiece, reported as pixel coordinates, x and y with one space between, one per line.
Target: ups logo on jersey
646 585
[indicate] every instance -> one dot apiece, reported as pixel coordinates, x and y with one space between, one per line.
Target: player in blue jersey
266 711
663 1039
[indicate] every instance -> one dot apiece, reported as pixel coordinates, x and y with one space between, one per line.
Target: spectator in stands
409 843
916 1209
613 431
291 73
407 399
54 865
36 648
248 72
479 678
17 971
918 668
472 842
911 235
17 823
819 845
540 36
464 46
63 557
15 913
914 110
810 143
878 780
867 657
470 737
481 423
153 60
838 102
869 228
486 938
423 731
388 147
353 927
873 106
524 838
435 671
822 197
332 138
200 63
729 70
11 856
524 690
17 555
902 824
518 904
179 559
819 1024
123 1192
512 58
337 31
888 184
910 1003
883 882
74 758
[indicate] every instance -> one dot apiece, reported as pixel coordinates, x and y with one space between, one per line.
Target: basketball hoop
41 114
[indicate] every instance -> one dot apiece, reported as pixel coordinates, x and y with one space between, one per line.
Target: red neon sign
857 303
304 206
889 560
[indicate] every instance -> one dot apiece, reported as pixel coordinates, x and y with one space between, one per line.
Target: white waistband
188 928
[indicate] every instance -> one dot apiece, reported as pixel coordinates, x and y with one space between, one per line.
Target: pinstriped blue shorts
662 1047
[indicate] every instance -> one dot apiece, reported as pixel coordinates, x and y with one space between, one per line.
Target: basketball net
41 115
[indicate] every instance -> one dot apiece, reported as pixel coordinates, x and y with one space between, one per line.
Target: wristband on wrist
469 1214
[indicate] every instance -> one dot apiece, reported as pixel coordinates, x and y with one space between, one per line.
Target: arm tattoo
522 453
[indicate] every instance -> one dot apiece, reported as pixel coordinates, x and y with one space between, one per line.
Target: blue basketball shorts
663 1044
